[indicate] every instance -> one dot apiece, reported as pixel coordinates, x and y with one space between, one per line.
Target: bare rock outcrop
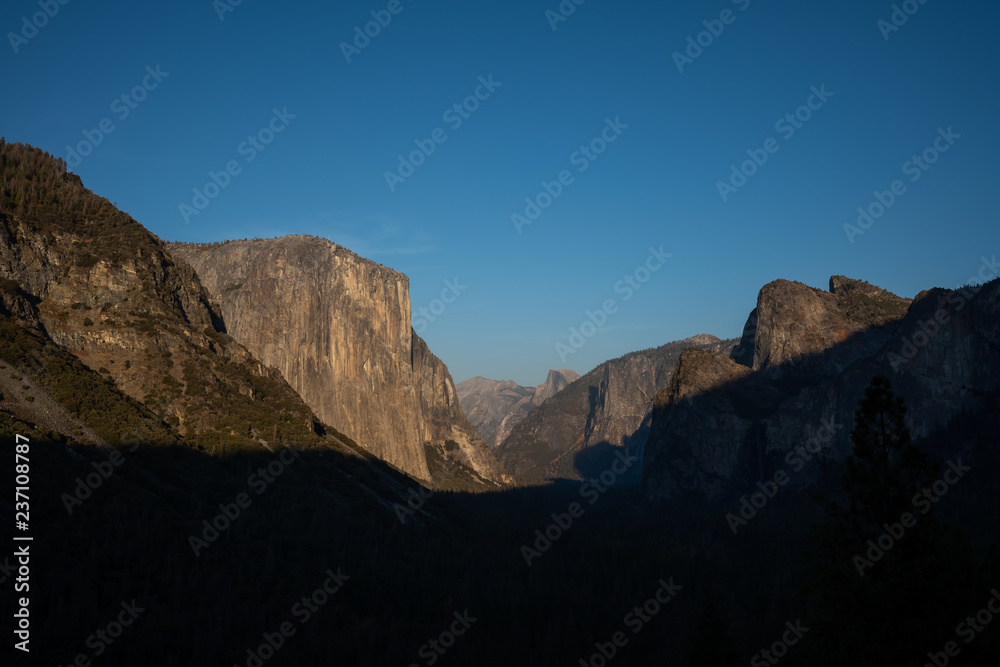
573 433
337 327
793 382
99 318
443 423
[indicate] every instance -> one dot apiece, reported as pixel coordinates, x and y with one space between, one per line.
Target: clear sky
609 68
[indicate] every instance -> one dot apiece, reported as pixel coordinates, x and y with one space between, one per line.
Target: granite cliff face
114 340
555 381
816 331
337 327
494 407
79 277
443 424
795 379
573 432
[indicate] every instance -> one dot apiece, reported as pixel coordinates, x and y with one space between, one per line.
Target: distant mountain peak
702 339
607 408
555 382
494 407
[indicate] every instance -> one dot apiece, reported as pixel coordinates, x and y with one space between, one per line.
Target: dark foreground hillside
401 577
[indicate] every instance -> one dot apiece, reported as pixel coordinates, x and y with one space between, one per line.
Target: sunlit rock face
576 432
337 327
799 371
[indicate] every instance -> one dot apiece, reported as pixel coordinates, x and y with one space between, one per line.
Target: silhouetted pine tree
890 580
711 644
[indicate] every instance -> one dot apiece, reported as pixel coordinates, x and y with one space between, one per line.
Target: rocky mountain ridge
494 407
103 320
573 433
337 327
727 422
108 337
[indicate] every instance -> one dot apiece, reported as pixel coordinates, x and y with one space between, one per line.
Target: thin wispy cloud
370 235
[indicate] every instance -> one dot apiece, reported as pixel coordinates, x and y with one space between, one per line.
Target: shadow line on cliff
838 374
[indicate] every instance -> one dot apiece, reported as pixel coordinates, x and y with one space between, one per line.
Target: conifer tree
711 644
890 578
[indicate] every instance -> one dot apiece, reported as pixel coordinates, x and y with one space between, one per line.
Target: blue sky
655 185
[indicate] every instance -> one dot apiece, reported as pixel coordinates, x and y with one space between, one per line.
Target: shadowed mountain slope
494 407
605 409
806 356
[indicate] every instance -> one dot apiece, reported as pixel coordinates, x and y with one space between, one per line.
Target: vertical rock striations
798 327
443 423
337 327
